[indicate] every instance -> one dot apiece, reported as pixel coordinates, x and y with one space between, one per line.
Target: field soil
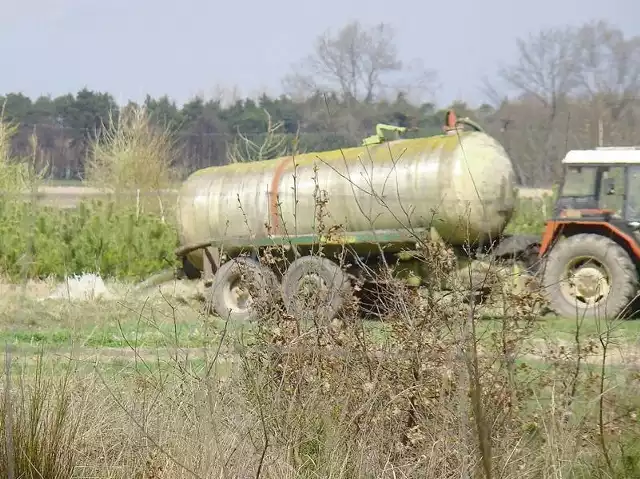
153 378
68 196
31 316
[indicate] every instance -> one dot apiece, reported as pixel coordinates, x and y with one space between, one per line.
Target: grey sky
188 47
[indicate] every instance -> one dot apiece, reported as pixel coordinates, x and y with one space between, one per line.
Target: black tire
613 260
336 282
189 270
258 279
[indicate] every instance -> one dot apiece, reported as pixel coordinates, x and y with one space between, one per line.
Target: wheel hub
311 295
311 283
589 284
238 297
311 286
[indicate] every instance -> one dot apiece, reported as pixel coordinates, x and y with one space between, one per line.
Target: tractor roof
610 155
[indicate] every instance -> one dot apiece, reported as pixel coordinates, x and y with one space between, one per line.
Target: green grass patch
565 328
115 365
161 324
530 215
105 324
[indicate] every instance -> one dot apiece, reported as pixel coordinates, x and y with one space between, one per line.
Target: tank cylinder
460 185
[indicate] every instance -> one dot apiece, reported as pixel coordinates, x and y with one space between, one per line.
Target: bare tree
545 74
548 67
609 66
358 62
416 82
274 144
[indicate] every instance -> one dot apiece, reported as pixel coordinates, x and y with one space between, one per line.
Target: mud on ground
172 316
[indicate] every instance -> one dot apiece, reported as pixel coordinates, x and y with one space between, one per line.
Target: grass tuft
41 424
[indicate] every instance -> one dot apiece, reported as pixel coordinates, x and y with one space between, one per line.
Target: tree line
569 87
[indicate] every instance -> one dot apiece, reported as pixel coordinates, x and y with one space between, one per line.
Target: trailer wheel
189 270
589 275
315 288
236 285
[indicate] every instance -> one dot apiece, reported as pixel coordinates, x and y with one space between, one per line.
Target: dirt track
69 196
534 192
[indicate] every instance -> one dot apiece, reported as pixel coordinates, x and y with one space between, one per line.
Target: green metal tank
460 185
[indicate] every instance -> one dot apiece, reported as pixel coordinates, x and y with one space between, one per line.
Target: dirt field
171 315
534 192
69 196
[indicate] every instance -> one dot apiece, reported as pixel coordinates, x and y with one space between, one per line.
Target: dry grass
149 387
425 392
72 196
41 421
16 174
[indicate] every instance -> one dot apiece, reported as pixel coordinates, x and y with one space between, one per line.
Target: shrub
16 175
132 153
95 237
427 394
530 215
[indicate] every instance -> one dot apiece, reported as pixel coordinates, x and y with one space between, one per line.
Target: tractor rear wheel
591 276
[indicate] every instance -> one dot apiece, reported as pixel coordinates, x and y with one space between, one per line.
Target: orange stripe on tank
273 194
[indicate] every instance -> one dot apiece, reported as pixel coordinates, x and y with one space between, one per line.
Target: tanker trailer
458 187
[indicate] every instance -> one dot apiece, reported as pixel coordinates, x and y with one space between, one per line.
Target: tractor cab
601 184
591 244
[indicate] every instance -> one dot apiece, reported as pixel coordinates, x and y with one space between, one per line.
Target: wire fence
64 150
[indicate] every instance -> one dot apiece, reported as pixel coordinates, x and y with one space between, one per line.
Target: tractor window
579 181
612 189
633 196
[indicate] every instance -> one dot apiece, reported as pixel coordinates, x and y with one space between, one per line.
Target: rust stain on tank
274 194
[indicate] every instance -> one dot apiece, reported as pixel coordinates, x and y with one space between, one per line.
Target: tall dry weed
17 175
424 394
133 155
41 424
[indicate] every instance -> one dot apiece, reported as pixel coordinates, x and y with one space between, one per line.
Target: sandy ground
625 351
36 290
535 192
69 196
